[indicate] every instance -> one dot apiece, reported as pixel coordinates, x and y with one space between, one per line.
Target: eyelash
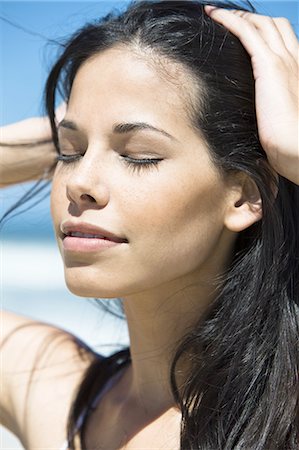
68 159
134 164
139 164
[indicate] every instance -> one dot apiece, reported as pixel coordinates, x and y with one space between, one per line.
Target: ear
244 204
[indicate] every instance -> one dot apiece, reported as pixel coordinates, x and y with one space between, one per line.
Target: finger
60 112
288 35
244 30
267 28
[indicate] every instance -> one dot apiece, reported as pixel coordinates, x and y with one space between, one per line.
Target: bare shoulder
41 368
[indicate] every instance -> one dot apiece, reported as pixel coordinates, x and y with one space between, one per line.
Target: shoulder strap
109 369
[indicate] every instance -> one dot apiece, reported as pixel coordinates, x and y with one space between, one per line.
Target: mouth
79 234
87 237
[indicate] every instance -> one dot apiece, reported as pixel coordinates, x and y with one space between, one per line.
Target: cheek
177 227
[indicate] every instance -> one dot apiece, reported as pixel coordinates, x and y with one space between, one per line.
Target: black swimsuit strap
109 367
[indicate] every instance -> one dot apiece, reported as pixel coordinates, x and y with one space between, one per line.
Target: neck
158 319
157 322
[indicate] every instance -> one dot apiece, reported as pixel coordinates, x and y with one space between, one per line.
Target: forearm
26 151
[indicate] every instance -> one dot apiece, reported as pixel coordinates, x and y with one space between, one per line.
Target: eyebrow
121 128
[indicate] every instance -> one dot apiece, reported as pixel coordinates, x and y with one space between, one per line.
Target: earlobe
244 205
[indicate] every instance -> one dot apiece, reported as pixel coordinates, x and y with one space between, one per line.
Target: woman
175 190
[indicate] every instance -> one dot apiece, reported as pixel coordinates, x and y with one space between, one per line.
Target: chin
86 287
90 292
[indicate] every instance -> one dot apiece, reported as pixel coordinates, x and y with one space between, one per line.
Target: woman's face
167 213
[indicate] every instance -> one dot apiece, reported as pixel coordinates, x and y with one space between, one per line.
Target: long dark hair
242 390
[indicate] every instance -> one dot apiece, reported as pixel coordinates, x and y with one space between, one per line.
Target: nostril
88 197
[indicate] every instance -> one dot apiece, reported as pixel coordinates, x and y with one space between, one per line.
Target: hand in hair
273 47
26 150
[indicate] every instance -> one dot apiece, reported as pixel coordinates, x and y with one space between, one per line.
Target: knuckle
240 13
282 20
246 15
267 20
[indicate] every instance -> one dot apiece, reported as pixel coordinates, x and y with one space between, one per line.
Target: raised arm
273 48
26 150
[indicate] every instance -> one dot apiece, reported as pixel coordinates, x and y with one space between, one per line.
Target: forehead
120 83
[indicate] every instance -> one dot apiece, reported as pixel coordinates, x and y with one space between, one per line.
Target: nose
85 186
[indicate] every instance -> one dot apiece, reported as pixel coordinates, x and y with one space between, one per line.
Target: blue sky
26 56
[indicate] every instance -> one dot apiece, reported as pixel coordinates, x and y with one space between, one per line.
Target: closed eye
68 158
141 163
133 163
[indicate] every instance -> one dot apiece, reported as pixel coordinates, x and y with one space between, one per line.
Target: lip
103 238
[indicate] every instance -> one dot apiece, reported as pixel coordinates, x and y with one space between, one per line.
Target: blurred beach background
32 281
